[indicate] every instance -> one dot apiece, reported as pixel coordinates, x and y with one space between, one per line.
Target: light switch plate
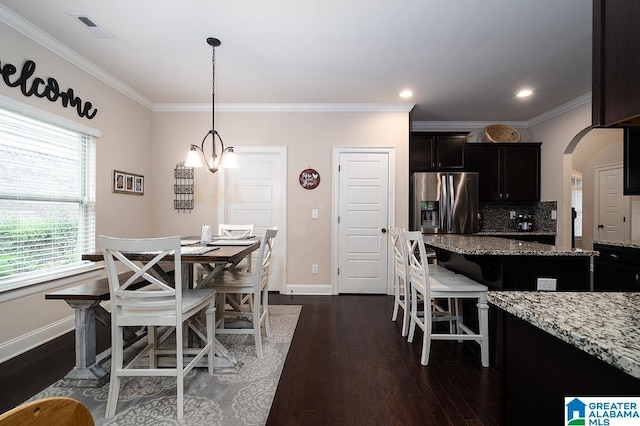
554 214
314 213
512 214
314 268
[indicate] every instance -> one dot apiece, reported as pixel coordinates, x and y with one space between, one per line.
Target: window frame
19 286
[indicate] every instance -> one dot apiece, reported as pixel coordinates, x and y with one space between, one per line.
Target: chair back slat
157 294
261 274
418 264
229 230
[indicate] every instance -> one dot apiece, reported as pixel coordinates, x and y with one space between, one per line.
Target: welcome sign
602 411
40 88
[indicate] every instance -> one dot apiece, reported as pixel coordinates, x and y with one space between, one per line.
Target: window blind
47 196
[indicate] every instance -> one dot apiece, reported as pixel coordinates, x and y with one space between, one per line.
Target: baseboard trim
309 289
26 342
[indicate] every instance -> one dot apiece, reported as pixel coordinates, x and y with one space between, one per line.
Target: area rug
229 397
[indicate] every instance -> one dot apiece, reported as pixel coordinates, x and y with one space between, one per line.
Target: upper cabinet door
429 152
450 151
616 63
522 172
485 159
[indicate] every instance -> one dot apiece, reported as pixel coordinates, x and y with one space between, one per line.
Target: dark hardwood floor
347 364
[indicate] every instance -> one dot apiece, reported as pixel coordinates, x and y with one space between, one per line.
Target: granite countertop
627 243
605 325
489 233
496 246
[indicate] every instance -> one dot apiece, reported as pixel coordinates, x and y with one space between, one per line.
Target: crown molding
578 102
461 125
34 33
285 107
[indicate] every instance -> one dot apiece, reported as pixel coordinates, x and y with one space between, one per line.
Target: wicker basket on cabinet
501 133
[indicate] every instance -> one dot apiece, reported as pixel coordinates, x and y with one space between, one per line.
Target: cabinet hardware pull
613 256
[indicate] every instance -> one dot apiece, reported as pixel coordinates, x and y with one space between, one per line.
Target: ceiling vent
89 24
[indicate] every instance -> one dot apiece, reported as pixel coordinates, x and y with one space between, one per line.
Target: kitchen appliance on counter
444 203
525 222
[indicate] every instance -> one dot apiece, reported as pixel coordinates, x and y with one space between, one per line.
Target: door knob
601 226
384 230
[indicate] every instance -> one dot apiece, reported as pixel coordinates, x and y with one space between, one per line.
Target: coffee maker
525 222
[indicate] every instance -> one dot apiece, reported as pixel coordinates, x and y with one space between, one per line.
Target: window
47 198
576 203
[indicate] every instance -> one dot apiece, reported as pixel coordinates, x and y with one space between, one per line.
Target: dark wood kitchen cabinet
430 151
631 156
508 171
616 63
616 269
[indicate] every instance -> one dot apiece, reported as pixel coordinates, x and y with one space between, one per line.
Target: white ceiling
464 59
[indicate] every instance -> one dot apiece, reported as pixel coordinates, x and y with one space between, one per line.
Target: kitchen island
507 264
565 344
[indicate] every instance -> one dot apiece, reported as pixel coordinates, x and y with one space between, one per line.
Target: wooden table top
228 254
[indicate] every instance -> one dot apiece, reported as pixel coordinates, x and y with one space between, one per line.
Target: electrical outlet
546 284
314 268
512 214
554 214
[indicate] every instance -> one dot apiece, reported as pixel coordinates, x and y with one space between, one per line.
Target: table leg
87 372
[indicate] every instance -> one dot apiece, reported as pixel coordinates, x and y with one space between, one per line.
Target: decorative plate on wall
309 179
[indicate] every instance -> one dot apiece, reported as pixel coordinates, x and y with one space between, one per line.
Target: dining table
86 299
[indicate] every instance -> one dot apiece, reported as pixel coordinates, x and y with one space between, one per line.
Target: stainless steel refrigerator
444 202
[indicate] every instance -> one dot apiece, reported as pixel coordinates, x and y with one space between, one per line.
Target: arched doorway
591 149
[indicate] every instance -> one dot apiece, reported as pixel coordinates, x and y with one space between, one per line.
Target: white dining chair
163 307
450 287
400 284
237 231
401 288
246 318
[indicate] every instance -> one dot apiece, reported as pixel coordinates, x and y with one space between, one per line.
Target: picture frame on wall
128 183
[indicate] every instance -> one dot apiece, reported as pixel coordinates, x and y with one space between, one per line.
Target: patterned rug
228 397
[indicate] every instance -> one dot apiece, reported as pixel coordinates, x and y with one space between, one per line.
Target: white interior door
255 193
613 210
363 214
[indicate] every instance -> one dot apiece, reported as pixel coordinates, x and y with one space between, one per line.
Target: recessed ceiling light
524 93
406 93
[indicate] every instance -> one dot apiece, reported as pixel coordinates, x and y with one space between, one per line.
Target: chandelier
196 156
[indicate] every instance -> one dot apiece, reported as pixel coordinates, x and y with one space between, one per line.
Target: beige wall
309 138
125 144
555 135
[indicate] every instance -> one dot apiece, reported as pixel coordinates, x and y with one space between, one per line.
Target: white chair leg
265 308
211 335
180 371
116 364
426 337
257 329
483 316
414 314
406 319
394 315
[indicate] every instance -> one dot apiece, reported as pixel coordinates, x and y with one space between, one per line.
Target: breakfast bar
506 264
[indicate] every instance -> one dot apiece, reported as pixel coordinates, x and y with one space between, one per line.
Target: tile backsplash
495 217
